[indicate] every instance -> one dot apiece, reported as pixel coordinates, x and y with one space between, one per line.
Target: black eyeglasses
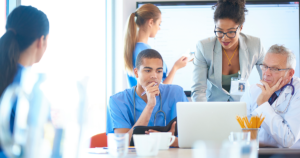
272 69
230 34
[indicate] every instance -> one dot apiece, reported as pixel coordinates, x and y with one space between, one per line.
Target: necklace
229 63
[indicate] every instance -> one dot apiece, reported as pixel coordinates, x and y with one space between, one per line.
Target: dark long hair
24 25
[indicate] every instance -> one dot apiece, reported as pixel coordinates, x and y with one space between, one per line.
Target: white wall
129 6
76 49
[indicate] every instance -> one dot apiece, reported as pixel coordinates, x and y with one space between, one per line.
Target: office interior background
86 40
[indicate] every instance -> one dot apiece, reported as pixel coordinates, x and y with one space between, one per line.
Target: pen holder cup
253 134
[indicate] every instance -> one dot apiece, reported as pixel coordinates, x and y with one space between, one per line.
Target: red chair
99 140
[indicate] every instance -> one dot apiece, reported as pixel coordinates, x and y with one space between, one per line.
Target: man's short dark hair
148 54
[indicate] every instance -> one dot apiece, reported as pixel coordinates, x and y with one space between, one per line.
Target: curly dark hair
231 9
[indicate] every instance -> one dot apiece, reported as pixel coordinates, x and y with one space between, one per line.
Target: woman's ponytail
130 41
9 57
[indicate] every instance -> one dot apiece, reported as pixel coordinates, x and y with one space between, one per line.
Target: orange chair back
99 140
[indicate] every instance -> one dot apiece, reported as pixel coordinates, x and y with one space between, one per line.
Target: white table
171 153
267 151
186 153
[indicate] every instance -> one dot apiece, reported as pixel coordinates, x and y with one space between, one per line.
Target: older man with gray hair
277 98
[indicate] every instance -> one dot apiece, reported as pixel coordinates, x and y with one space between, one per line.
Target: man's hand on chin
267 91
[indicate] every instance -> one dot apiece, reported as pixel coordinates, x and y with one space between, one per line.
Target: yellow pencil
255 121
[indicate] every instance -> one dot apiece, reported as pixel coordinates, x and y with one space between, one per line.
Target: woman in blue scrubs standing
22 45
142 25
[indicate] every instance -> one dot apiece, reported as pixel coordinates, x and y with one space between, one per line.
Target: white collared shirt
278 129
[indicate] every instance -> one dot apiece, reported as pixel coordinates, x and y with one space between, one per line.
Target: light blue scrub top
138 48
120 109
17 80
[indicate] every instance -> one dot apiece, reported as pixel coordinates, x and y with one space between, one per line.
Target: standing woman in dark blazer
221 57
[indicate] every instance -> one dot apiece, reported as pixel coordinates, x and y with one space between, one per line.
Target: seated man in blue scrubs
131 108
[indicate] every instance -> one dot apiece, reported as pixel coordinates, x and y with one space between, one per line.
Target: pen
145 91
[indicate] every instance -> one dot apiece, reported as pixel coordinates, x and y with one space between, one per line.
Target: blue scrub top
138 48
17 80
120 109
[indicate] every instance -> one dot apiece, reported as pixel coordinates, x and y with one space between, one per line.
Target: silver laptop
208 121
